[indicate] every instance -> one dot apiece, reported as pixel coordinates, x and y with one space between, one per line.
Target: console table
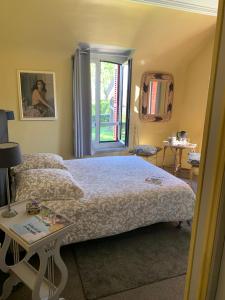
177 149
41 280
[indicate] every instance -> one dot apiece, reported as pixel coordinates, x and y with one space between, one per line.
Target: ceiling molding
206 7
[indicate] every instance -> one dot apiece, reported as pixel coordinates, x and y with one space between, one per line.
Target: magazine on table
40 226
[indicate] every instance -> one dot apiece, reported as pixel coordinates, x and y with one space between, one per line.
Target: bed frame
3 139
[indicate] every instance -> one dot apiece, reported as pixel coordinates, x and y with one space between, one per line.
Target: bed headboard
3 139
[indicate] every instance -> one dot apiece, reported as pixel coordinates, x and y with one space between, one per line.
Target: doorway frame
208 212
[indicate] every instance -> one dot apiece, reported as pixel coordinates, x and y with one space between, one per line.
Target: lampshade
10 115
10 155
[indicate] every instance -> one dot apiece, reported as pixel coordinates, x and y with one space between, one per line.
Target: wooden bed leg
179 225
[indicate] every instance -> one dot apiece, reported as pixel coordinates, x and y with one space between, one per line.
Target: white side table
40 281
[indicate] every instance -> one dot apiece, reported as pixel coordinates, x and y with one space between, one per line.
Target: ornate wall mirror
156 97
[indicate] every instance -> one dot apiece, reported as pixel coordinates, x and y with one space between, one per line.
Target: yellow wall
190 97
193 107
34 136
41 38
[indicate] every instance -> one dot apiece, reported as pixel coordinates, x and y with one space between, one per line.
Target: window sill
119 149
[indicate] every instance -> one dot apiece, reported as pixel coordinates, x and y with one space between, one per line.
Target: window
110 101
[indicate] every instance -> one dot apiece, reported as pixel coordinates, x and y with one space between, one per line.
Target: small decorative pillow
145 150
46 184
194 158
40 161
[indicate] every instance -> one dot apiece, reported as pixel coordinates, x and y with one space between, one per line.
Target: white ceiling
207 7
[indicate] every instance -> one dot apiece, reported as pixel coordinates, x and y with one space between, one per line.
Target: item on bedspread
46 184
40 161
154 180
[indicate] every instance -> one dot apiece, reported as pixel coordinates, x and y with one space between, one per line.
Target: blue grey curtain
130 61
82 103
3 139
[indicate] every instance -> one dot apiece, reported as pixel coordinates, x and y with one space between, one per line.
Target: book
40 226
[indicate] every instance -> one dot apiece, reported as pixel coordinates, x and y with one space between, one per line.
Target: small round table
177 149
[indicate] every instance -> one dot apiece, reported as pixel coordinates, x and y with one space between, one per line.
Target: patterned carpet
127 261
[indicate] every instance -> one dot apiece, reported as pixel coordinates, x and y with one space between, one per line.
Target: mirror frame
170 92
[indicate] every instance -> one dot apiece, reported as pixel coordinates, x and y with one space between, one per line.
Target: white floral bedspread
122 193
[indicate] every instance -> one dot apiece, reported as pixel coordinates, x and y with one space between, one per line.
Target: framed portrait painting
37 97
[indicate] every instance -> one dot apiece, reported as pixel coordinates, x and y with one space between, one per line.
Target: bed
122 193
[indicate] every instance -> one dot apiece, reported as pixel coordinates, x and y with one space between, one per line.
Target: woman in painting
39 100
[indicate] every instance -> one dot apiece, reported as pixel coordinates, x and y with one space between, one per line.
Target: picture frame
37 95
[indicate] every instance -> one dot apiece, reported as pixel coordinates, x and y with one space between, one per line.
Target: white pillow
145 150
194 156
46 184
40 161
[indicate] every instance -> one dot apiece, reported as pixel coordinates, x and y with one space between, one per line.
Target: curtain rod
95 51
84 51
111 54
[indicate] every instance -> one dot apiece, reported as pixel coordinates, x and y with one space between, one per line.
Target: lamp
10 156
10 115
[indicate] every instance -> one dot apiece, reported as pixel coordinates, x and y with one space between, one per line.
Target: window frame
97 59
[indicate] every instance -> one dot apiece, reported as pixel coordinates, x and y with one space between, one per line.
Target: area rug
111 265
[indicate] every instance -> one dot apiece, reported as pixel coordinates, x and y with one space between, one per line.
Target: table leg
43 258
180 157
8 285
164 153
179 163
3 251
62 268
175 162
49 257
12 280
